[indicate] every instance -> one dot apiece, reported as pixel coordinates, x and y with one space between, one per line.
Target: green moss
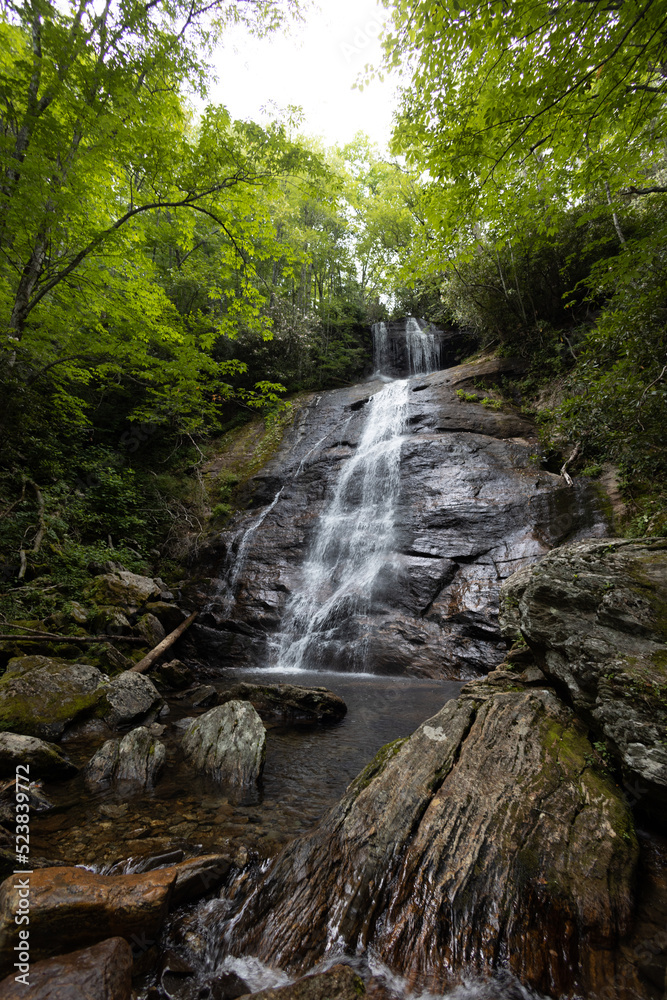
382 758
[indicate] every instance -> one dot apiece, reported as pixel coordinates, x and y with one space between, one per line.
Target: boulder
340 981
41 695
228 744
198 876
169 615
45 760
102 972
136 760
594 615
130 697
290 702
172 674
123 589
150 628
112 621
464 848
74 906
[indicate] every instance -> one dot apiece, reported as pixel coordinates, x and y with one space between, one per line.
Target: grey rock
41 695
460 850
130 696
169 615
228 744
151 629
593 614
289 702
172 674
137 760
45 760
472 510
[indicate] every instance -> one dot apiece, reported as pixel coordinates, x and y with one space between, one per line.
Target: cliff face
471 506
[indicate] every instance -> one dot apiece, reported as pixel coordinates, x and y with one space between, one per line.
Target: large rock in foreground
228 744
289 702
595 617
41 695
103 972
462 849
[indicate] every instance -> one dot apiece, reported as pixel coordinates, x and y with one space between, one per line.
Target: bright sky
313 66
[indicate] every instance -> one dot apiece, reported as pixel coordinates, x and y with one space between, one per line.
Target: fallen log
163 646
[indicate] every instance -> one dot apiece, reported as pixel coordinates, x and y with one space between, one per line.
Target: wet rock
198 876
173 674
460 849
73 906
41 695
228 744
151 629
339 981
229 986
593 615
45 760
202 696
124 589
471 509
102 972
290 702
135 760
130 697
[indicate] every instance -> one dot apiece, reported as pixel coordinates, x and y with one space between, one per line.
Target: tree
94 133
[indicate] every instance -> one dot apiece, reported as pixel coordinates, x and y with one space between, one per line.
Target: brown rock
71 906
340 982
102 972
467 846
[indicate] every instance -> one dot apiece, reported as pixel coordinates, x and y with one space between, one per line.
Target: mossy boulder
45 760
130 697
150 629
41 695
594 615
123 589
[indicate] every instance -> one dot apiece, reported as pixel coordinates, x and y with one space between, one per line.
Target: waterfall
423 353
404 347
223 599
381 350
352 547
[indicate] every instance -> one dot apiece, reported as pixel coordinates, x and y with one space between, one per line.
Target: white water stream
351 557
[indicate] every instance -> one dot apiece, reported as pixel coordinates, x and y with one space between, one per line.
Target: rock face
228 744
461 849
73 906
130 697
136 760
472 508
103 972
289 702
46 760
595 617
41 695
340 982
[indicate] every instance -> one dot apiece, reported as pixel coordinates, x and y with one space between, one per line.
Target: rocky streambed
210 831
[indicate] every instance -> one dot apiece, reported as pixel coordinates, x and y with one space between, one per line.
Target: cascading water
381 349
423 354
352 547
